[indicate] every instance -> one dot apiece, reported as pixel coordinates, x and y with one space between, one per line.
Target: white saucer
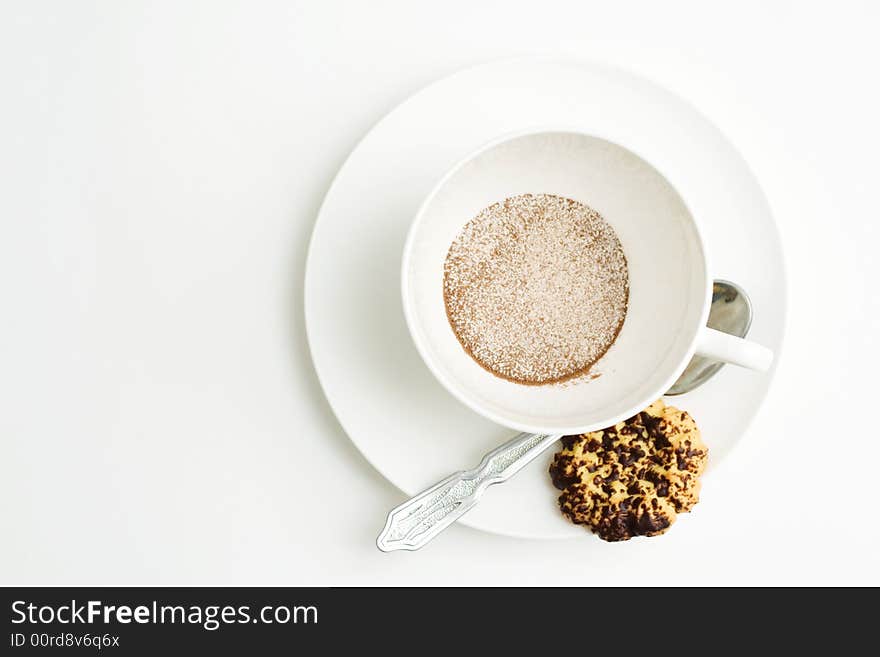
400 418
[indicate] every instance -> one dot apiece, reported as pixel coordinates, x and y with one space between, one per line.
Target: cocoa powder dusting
536 288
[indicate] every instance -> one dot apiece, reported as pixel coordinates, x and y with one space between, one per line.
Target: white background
162 165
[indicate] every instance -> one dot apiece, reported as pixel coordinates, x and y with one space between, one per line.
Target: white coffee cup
669 278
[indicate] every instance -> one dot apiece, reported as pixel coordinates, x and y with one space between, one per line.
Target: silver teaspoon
414 523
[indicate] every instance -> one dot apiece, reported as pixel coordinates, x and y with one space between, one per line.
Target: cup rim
458 391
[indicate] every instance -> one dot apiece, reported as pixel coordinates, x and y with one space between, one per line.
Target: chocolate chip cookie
634 478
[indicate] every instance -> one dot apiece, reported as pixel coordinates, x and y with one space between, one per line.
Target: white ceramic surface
401 419
670 284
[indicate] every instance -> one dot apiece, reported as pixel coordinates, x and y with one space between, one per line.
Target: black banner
151 621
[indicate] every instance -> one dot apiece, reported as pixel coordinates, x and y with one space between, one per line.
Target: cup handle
727 348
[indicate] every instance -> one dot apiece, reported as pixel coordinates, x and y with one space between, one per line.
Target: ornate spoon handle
415 522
